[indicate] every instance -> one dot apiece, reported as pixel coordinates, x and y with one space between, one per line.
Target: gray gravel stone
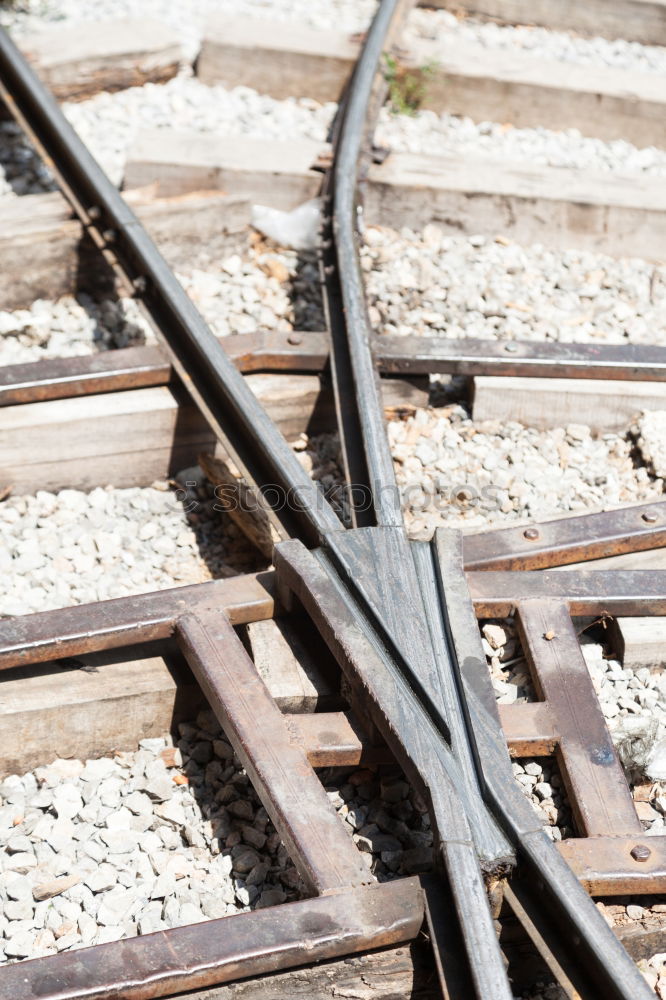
59 525
449 286
129 882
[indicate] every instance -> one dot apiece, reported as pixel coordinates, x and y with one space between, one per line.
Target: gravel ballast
428 133
70 327
109 122
189 18
262 289
71 547
429 283
104 849
456 472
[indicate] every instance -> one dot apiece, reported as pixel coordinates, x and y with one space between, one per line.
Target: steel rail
366 453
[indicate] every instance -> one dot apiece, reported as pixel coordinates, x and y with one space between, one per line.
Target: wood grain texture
51 711
519 86
633 20
134 437
278 174
540 403
559 206
465 77
391 974
282 59
79 60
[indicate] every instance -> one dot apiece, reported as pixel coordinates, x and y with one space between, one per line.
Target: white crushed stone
71 547
457 472
431 134
69 327
265 288
651 440
560 46
430 283
540 782
106 849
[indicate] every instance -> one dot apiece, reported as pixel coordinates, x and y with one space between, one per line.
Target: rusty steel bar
599 964
568 539
323 852
141 367
617 866
530 729
366 455
218 951
62 378
597 788
587 592
86 628
334 739
429 355
304 351
419 748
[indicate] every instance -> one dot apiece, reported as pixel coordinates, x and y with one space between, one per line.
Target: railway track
397 616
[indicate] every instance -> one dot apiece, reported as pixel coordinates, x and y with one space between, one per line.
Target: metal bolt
295 338
511 348
94 212
531 534
640 852
109 235
649 517
139 285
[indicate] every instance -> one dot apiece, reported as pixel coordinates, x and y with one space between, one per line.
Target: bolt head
511 347
640 852
531 534
295 338
649 517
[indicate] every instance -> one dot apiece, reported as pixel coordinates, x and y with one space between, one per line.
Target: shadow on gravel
305 293
23 169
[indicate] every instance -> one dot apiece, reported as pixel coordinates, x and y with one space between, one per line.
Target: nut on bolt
640 852
531 534
649 517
